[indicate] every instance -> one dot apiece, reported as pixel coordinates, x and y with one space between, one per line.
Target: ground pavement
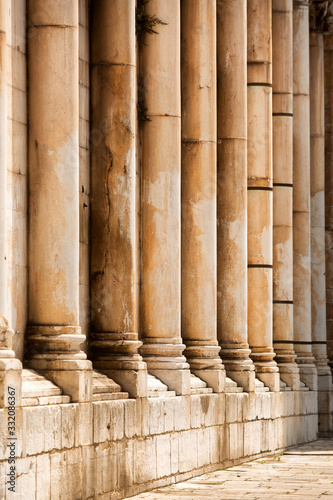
303 472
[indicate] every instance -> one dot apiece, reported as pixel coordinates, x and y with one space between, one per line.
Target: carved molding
321 15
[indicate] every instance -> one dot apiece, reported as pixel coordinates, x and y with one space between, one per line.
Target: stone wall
115 449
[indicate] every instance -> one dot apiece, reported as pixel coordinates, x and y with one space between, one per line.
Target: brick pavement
302 472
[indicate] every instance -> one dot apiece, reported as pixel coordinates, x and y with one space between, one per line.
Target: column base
203 354
238 365
116 354
307 369
74 377
213 378
165 360
266 368
288 368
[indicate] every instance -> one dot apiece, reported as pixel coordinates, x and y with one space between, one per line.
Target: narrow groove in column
282 184
283 114
259 188
255 266
61 26
283 302
259 84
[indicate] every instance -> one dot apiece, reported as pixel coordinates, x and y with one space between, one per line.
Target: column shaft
232 191
317 130
301 195
198 191
54 336
318 281
161 159
114 229
283 191
328 43
260 191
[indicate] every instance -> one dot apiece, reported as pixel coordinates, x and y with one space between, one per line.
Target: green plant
145 23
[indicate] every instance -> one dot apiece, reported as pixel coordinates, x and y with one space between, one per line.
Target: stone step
37 390
36 386
231 386
101 383
109 396
106 389
198 386
157 389
31 375
260 386
207 390
161 394
46 400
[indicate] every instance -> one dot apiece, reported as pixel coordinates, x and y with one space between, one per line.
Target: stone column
198 197
232 191
317 158
54 335
260 191
283 192
328 44
161 159
114 228
301 196
10 368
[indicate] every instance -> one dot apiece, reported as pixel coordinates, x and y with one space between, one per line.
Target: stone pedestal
10 368
260 191
232 192
114 183
301 196
54 337
283 193
198 192
162 348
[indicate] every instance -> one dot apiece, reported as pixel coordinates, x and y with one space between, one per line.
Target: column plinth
232 293
10 367
53 335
